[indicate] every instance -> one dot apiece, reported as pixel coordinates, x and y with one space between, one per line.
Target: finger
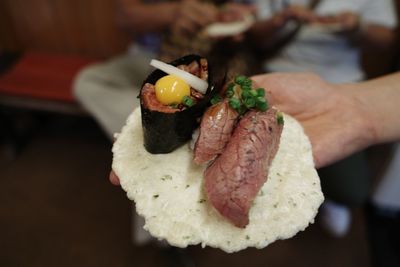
261 81
301 14
184 28
234 12
350 21
190 21
114 178
203 14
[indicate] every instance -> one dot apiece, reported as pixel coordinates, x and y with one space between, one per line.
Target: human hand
349 21
299 13
335 122
234 20
235 12
113 178
346 22
192 16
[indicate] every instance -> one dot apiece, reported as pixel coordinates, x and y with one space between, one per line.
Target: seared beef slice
235 177
215 130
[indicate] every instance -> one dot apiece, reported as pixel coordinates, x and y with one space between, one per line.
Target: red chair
42 81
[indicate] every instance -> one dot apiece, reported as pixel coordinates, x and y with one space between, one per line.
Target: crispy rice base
168 192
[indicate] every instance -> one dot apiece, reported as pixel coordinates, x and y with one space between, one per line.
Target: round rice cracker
169 193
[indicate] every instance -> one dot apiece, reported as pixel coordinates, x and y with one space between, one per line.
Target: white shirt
321 50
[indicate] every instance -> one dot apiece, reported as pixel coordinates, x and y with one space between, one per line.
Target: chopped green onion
231 90
187 101
174 105
260 92
234 103
243 81
261 99
246 94
216 99
231 86
262 106
243 97
250 103
246 87
240 79
242 109
253 92
279 118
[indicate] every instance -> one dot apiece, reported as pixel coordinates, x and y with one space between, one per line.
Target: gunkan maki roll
172 104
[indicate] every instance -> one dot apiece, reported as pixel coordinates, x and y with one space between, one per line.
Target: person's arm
338 119
140 17
265 33
370 35
378 23
375 36
381 100
181 17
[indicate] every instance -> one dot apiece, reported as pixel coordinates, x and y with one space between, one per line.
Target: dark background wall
85 27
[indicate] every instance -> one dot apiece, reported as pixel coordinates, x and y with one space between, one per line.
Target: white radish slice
194 81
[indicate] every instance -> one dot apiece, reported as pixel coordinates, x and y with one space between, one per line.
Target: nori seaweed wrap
164 132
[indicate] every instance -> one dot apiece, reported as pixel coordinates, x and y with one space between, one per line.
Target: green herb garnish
250 103
243 81
166 177
235 103
261 103
242 96
174 105
187 101
216 99
260 92
246 94
242 110
231 86
253 93
279 118
231 90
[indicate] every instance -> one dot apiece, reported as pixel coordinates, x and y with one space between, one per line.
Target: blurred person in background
325 37
368 115
161 29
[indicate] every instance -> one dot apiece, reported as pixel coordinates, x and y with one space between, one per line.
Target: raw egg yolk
171 89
